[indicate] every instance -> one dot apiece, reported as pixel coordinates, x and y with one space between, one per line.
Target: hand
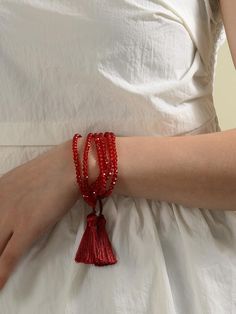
33 197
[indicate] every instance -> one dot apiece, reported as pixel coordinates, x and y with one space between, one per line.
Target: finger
5 235
14 249
4 240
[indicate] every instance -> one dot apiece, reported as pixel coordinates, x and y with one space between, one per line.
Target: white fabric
91 65
135 67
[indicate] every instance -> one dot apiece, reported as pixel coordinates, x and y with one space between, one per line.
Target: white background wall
225 89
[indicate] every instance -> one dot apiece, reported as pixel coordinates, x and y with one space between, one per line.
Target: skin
34 196
37 194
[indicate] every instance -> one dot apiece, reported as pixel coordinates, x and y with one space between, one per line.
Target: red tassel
86 252
105 255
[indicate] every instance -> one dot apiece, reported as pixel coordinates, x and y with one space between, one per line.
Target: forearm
194 170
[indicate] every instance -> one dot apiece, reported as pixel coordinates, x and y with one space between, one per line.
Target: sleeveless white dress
134 67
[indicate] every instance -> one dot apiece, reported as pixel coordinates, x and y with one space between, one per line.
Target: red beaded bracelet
95 247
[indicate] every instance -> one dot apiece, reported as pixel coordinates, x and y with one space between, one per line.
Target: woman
145 71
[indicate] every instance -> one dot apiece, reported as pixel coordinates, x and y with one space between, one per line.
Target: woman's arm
194 170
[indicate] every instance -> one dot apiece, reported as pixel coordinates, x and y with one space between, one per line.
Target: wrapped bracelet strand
95 246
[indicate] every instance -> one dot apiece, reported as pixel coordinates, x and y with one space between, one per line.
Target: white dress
134 67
